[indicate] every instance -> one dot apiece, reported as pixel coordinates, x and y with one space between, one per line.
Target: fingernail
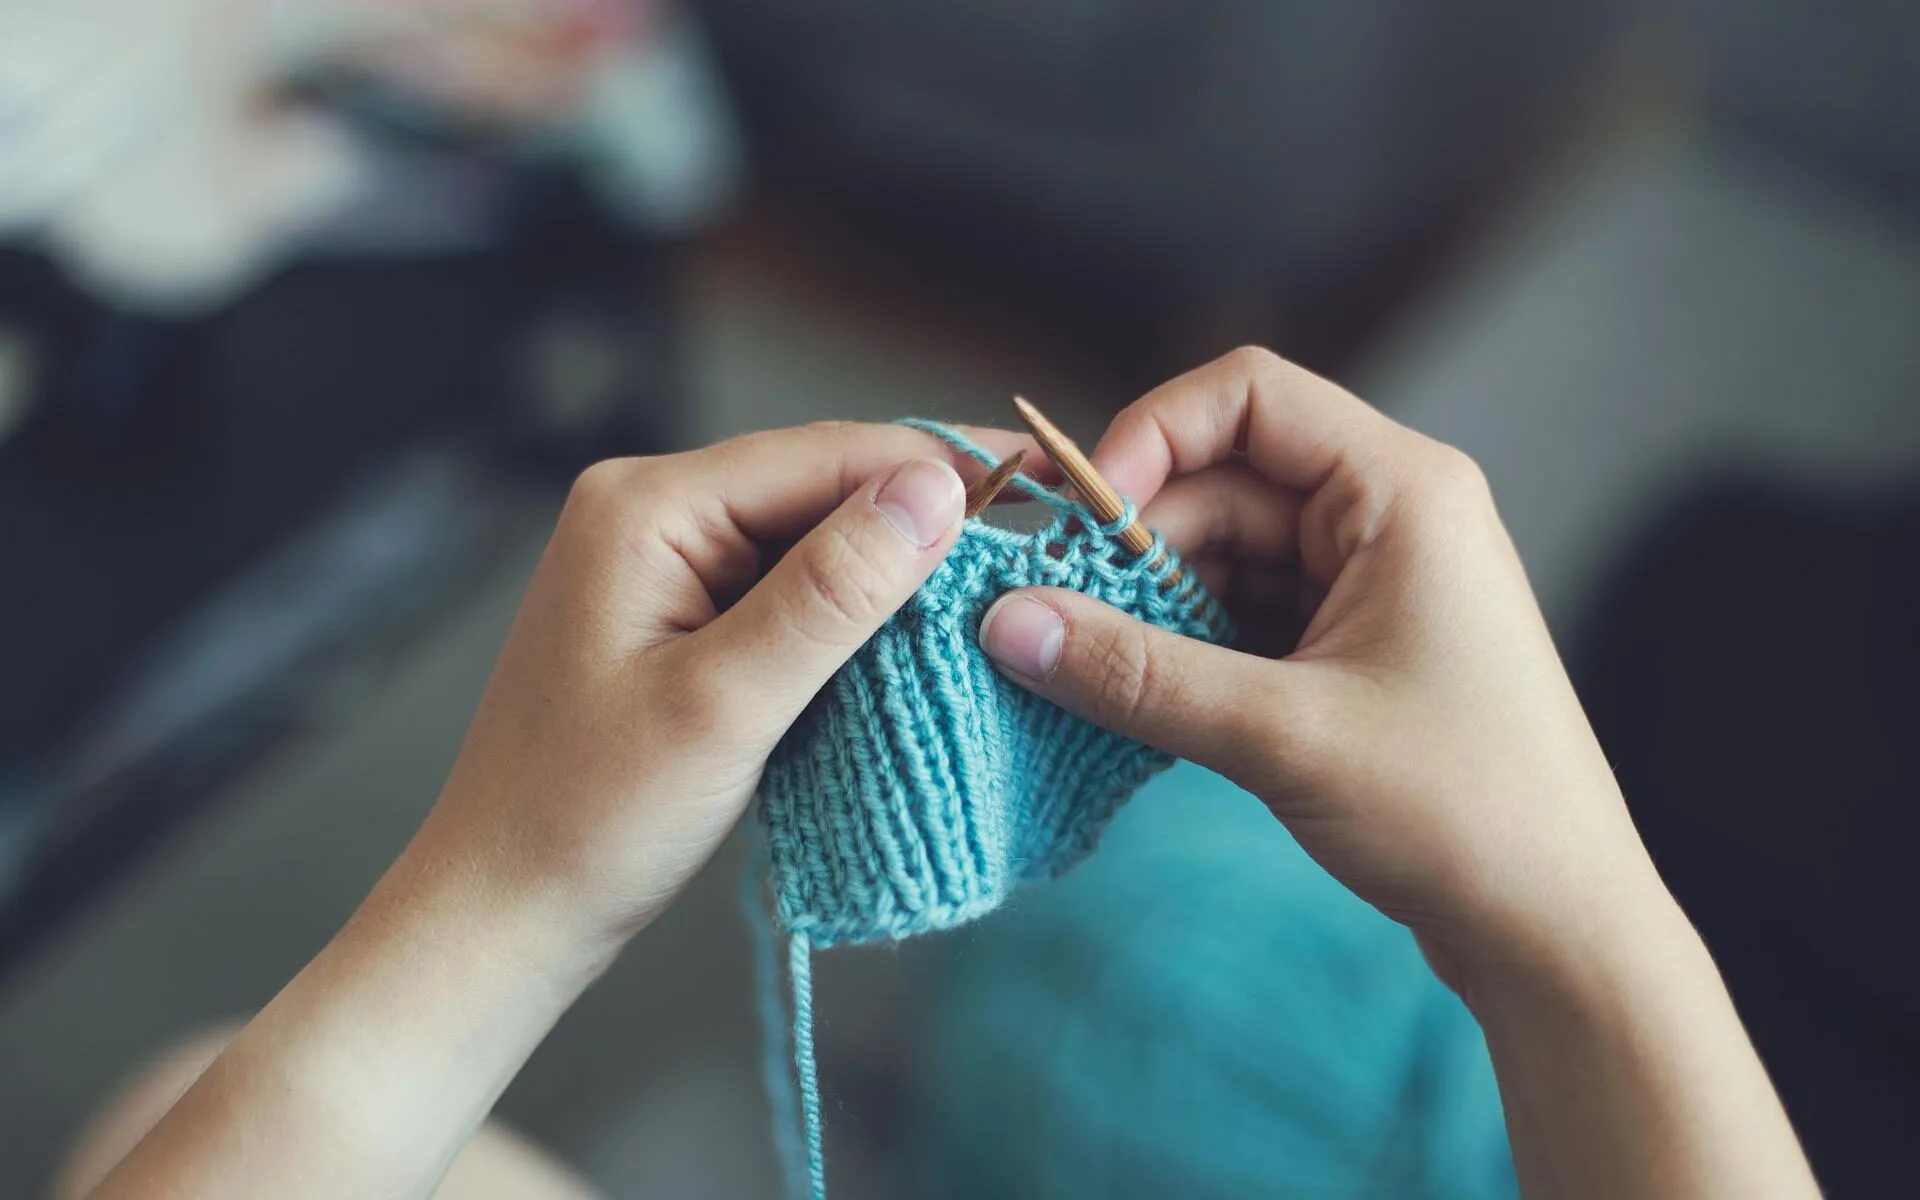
1024 636
922 501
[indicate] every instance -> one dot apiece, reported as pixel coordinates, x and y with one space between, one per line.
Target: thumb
1180 695
825 597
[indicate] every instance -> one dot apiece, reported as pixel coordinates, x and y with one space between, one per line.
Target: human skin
1418 735
1420 740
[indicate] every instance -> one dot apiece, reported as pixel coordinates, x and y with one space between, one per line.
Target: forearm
1625 1071
651 670
370 1070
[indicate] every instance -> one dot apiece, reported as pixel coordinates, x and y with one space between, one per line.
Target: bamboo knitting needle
1096 491
982 493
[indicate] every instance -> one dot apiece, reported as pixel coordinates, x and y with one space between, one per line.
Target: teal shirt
1199 1011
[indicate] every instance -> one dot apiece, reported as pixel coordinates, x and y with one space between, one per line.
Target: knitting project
921 787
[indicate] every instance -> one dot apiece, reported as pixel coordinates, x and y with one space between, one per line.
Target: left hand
652 668
649 674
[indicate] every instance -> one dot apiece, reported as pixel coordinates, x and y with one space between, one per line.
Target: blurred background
310 311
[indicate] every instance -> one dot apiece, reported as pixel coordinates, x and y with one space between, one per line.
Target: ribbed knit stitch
921 787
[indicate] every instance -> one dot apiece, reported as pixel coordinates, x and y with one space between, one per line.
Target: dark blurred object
1177 170
162 457
1751 675
1831 83
158 461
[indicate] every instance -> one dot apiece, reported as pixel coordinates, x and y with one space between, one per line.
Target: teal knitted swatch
921 787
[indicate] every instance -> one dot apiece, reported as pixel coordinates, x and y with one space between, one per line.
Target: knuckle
1255 361
731 452
596 510
599 484
613 488
1263 370
1448 493
614 508
1457 477
1121 674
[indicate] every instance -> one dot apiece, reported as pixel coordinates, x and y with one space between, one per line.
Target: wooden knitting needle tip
982 493
1096 491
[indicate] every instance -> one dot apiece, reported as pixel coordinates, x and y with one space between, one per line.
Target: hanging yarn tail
800 973
776 1072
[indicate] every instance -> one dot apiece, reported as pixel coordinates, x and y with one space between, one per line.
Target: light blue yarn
800 970
775 1075
921 788
1201 1011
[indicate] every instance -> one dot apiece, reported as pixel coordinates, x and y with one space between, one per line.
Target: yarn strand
778 1081
800 971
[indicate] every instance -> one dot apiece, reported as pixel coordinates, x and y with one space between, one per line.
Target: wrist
1624 1069
1618 950
391 1045
444 893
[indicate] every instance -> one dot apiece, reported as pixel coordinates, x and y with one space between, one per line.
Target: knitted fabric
921 787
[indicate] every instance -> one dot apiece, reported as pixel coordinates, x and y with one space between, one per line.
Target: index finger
775 485
1293 426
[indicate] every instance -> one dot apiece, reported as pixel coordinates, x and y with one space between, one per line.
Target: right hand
1419 737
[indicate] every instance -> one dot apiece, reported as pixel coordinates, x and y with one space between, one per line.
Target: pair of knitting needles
1100 498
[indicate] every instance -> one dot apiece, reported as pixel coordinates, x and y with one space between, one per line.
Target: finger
721 507
781 482
1227 510
1293 426
831 592
1172 692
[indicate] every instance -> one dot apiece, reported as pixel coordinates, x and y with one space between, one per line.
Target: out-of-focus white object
508 63
625 87
150 146
656 134
139 143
